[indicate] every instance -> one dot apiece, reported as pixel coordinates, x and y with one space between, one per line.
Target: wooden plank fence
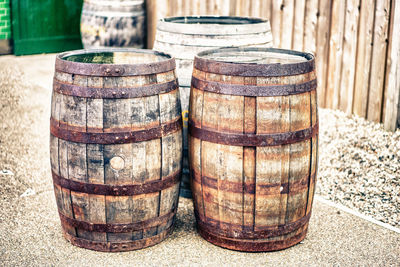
356 43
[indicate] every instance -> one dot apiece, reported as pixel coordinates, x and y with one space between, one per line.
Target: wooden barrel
115 147
253 146
118 23
184 37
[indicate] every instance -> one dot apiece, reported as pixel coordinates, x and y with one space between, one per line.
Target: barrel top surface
113 3
213 25
114 62
254 62
109 8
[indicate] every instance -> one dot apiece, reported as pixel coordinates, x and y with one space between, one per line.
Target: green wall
44 26
5 23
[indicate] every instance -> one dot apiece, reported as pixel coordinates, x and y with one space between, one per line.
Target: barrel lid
213 25
110 8
114 62
254 61
113 3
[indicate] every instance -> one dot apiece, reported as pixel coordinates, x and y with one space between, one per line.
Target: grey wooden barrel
118 23
116 147
184 37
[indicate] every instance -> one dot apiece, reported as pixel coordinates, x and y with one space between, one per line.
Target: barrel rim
108 2
169 24
108 8
96 69
253 69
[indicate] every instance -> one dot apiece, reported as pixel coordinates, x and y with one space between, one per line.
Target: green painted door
44 26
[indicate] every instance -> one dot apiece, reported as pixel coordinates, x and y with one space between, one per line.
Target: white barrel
184 37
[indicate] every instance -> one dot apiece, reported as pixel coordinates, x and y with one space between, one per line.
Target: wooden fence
356 43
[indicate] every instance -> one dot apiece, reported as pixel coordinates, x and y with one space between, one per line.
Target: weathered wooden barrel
117 23
253 146
115 147
184 37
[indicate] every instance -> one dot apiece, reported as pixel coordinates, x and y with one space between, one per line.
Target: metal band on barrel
247 232
249 188
93 69
113 93
253 90
113 137
251 245
250 69
118 246
116 228
118 190
247 139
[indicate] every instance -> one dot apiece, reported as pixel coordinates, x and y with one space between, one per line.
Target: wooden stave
167 189
202 192
163 192
184 61
169 194
187 52
220 40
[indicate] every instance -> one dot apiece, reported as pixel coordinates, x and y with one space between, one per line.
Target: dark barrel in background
118 23
115 147
253 146
184 37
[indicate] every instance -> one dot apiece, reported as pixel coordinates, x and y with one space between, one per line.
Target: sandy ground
30 231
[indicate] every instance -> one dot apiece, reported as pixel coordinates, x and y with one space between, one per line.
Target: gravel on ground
359 165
